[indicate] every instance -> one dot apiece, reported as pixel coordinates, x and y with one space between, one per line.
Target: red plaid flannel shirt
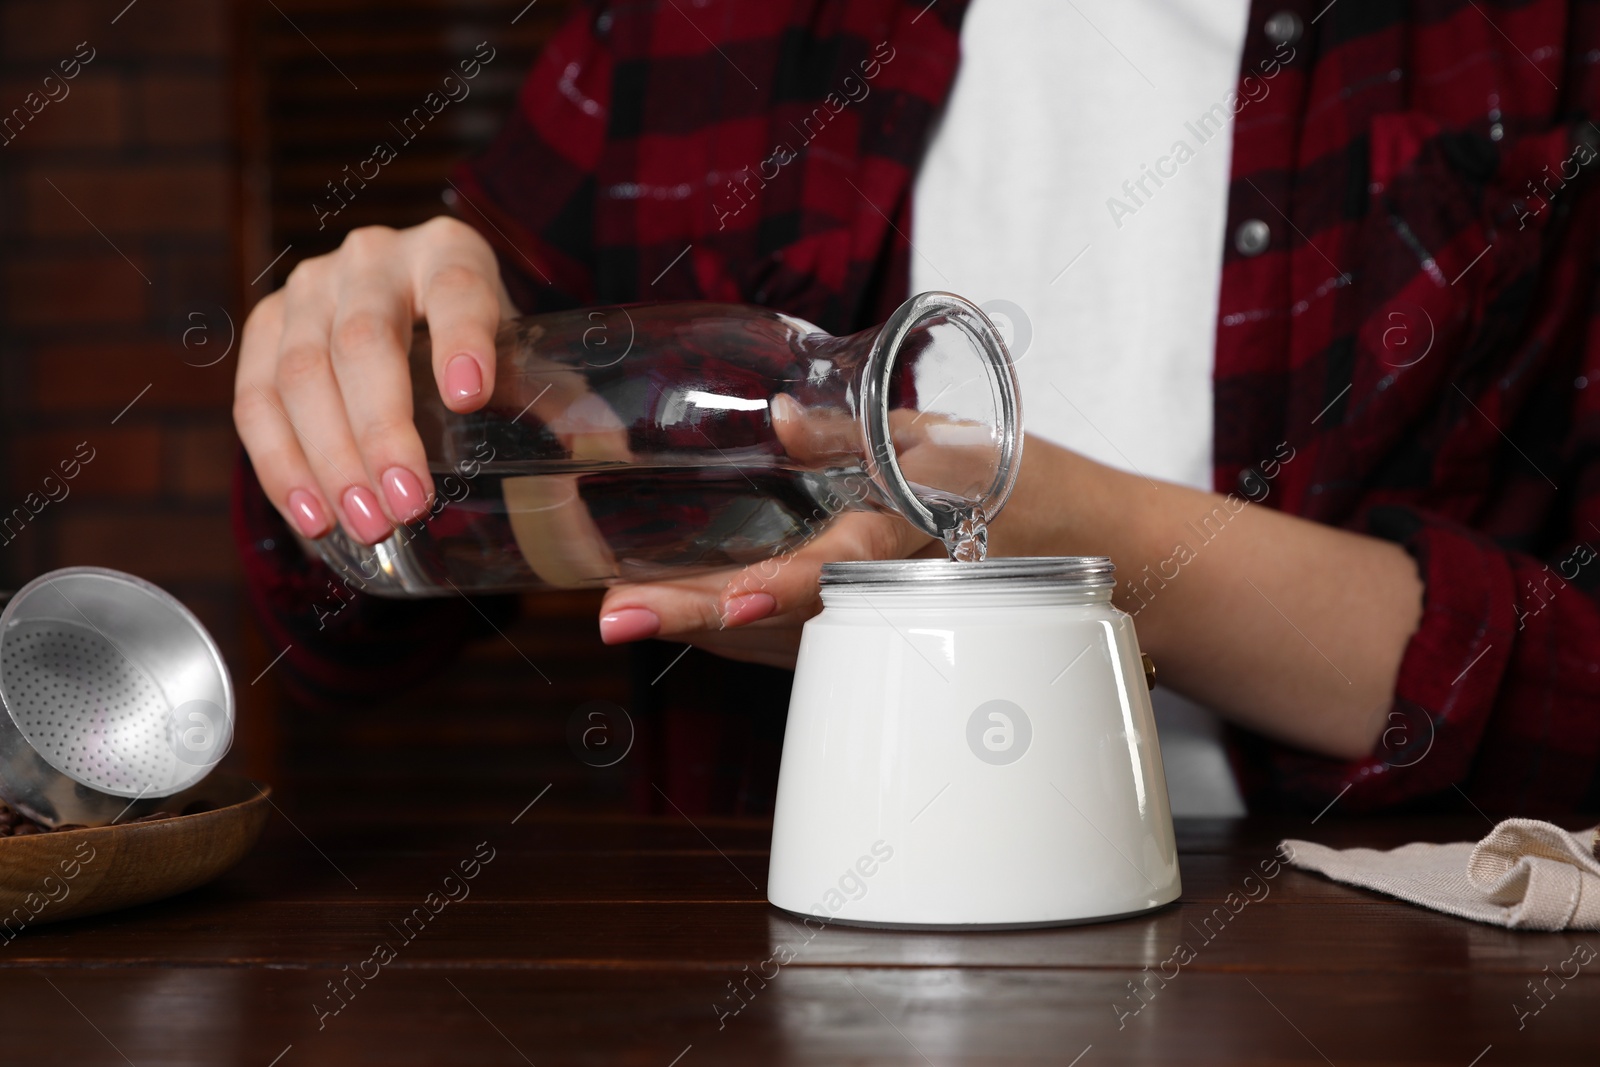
1420 330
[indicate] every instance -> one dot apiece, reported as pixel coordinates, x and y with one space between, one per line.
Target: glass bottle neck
936 410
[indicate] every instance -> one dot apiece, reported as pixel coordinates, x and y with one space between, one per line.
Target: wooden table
607 940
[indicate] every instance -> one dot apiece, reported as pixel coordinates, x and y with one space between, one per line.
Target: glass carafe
641 442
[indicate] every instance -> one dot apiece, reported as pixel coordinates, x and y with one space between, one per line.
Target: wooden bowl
63 875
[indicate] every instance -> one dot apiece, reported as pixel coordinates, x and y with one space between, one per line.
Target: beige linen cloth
1526 875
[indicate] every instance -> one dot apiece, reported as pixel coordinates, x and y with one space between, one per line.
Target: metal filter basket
112 697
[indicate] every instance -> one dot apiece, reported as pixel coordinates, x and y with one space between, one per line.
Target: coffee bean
15 824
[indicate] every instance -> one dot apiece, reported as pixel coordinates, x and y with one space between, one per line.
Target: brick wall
117 235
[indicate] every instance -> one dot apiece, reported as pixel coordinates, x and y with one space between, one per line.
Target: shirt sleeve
1498 697
532 194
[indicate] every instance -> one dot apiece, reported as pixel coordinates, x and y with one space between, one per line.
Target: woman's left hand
754 613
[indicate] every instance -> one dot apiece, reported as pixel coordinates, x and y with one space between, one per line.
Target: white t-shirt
1055 193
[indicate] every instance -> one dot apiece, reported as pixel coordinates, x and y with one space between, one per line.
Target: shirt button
1283 28
1252 237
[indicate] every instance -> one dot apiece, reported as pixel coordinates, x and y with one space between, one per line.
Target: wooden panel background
118 214
141 217
330 80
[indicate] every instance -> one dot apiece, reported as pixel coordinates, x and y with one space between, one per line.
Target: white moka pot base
980 755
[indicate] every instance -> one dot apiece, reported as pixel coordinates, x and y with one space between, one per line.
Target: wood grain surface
584 939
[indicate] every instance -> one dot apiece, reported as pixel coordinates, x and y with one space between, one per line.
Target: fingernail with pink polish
361 512
307 512
404 493
462 378
628 624
750 607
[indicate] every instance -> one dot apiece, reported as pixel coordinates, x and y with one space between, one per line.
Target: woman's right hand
322 399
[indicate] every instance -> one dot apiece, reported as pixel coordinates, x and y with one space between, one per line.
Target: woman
1359 358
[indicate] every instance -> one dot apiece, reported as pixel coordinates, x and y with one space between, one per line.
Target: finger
370 338
682 606
315 408
463 301
958 456
814 435
939 451
559 396
555 532
789 582
729 599
456 286
269 440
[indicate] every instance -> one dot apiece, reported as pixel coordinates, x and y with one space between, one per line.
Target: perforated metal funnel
113 698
